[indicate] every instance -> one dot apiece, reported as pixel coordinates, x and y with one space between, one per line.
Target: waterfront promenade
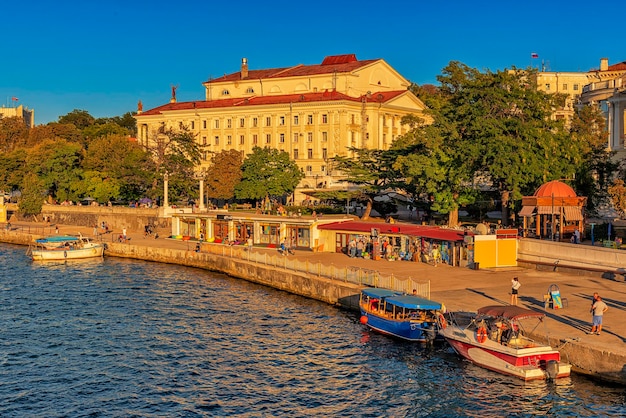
465 289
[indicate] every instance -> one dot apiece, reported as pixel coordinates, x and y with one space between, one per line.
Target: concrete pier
603 357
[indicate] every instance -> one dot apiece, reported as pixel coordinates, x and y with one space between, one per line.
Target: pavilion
553 204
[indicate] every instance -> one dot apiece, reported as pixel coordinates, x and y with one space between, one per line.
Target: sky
105 56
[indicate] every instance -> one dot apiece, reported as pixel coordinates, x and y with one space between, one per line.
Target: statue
174 92
139 106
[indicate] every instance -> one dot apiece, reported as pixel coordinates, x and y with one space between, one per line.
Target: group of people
598 307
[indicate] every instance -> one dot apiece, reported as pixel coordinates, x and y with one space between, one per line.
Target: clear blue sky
105 56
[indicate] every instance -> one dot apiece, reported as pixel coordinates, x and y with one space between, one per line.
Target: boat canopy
58 238
413 302
510 312
374 292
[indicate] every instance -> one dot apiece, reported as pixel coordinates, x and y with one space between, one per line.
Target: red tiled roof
423 231
331 64
620 66
379 97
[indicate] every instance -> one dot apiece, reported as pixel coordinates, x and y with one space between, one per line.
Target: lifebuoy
481 335
442 321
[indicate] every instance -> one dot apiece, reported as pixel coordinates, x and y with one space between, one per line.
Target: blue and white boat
408 317
65 247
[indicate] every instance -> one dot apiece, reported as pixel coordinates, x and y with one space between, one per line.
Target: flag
15 99
534 55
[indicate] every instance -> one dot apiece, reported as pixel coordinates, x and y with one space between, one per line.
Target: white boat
497 338
65 247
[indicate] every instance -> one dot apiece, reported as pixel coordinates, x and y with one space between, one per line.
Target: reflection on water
125 338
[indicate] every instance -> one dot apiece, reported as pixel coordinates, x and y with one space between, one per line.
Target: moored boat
65 247
408 317
498 338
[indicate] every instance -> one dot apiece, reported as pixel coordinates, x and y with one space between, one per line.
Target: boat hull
526 363
409 330
67 254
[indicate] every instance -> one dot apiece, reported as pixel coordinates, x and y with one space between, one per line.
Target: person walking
515 285
598 309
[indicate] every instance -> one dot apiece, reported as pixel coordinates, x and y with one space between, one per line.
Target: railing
350 274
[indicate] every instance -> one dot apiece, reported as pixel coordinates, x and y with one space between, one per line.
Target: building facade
21 111
313 112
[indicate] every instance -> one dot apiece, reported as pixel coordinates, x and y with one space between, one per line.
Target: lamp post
200 177
592 225
166 178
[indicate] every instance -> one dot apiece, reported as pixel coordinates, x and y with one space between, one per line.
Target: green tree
79 118
504 125
32 197
267 172
13 133
58 166
124 165
372 171
13 169
224 174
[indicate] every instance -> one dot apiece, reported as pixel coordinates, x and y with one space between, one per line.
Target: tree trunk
453 218
368 210
505 196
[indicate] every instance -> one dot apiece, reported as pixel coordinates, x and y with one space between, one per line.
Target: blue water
122 338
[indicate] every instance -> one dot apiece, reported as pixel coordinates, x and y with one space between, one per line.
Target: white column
165 184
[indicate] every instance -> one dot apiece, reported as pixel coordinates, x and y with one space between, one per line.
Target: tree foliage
31 200
267 172
224 174
13 133
371 171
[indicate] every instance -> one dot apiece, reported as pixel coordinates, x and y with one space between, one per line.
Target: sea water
124 338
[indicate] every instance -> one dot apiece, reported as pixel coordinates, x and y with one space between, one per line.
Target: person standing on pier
515 285
598 309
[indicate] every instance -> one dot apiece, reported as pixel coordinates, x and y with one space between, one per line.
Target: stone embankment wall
116 217
571 258
298 283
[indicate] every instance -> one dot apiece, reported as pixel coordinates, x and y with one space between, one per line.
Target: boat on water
408 317
498 338
65 247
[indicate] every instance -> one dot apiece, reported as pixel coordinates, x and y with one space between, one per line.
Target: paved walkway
465 289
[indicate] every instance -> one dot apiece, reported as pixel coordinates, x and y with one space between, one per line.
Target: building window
204 155
204 124
367 136
353 117
295 119
309 119
268 138
217 123
255 122
250 90
309 137
384 138
323 169
576 87
324 136
547 86
242 123
281 120
324 118
268 121
309 169
295 153
295 137
564 86
325 153
217 140
204 140
229 140
225 92
229 123
255 139
241 140
281 138
193 125
309 153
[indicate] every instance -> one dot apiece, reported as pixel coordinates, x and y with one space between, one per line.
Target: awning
573 213
547 210
527 211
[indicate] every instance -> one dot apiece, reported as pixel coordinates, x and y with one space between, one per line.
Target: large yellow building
21 111
313 112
